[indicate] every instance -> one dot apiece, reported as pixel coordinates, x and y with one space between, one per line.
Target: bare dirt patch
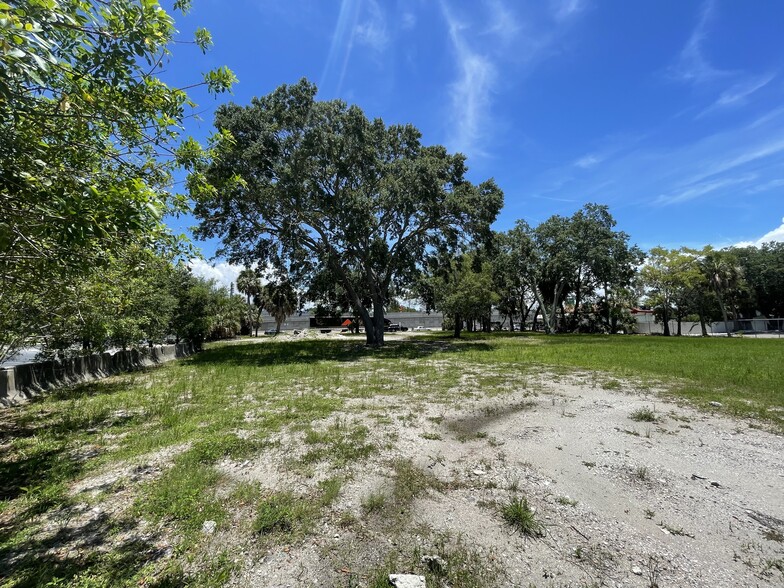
686 499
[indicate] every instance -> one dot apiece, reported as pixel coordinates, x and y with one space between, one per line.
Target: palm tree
724 275
281 301
248 283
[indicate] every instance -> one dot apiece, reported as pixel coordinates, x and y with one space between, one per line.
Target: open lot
513 460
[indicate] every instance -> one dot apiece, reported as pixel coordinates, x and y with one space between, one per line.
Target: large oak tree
315 184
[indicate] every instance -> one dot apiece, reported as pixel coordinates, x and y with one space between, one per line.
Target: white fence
756 327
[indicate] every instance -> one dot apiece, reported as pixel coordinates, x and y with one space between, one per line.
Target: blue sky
670 112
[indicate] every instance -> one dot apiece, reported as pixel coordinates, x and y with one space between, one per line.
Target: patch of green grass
431 436
412 481
374 502
644 414
285 514
566 501
184 495
444 560
330 490
773 535
340 443
518 514
741 373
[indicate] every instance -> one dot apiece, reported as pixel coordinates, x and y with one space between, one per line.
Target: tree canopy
315 186
88 138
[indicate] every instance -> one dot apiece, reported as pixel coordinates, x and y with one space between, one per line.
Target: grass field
110 483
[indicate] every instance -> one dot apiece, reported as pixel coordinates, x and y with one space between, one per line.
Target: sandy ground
692 500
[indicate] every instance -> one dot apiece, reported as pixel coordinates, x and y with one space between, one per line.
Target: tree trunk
577 297
378 322
556 304
458 325
666 314
723 310
703 328
679 318
524 317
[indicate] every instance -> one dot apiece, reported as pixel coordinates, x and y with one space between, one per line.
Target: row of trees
709 284
600 294
531 274
355 212
137 299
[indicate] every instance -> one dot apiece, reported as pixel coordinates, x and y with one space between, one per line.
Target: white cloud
224 273
760 151
341 46
692 65
503 23
372 32
701 188
588 161
563 9
777 183
408 21
470 94
737 94
486 39
776 234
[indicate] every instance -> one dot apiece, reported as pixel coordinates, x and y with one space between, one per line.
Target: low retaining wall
22 382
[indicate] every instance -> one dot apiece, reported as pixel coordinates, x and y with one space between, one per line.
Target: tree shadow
90 546
314 351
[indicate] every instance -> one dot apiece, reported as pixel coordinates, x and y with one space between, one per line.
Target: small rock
715 484
636 571
478 473
716 404
407 581
209 527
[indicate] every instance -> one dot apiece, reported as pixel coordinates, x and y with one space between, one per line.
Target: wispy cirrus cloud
470 93
334 71
563 9
502 22
770 185
408 21
738 94
641 171
372 30
698 189
692 65
486 39
588 161
360 22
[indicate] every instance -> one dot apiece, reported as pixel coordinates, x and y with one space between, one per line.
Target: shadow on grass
314 351
78 552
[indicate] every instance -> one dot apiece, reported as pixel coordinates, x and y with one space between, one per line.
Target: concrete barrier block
22 382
